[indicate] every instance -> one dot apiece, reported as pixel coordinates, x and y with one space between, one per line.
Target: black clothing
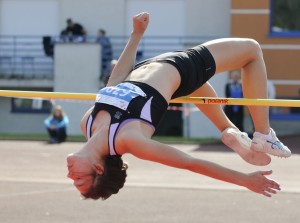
76 30
195 65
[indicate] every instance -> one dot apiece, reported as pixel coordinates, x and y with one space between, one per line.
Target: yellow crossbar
188 100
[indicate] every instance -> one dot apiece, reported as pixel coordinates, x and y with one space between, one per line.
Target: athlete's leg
213 112
246 54
231 136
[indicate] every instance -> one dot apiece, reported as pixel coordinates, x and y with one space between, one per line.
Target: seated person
56 125
74 32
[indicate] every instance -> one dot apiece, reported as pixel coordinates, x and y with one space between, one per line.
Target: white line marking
249 11
286 82
280 46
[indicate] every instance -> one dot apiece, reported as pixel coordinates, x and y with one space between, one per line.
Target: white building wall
202 17
19 123
29 17
76 70
161 24
208 17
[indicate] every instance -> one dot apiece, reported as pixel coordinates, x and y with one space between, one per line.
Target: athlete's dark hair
111 181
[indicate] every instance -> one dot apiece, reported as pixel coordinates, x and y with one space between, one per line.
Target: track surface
34 188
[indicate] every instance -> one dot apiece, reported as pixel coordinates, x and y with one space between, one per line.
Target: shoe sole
252 157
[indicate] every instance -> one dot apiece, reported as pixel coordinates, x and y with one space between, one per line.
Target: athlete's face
81 171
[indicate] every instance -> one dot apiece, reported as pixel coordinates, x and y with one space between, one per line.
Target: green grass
80 138
183 140
38 137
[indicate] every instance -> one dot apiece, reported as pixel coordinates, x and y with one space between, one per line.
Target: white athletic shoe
240 143
269 144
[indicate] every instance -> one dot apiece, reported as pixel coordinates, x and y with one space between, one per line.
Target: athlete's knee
253 48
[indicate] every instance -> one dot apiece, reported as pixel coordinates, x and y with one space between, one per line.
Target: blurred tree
286 15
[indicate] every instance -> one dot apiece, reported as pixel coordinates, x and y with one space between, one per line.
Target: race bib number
120 95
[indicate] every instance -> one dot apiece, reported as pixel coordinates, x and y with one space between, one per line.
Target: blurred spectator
272 95
112 65
271 90
233 89
56 125
107 55
74 32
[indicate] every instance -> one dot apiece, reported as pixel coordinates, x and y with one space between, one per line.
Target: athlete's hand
257 182
140 23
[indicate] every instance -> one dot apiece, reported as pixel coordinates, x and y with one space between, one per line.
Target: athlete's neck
95 149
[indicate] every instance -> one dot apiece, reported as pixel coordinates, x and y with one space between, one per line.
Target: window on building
24 105
285 18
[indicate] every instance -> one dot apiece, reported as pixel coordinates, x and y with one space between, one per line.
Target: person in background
106 55
56 125
271 95
271 90
74 32
233 89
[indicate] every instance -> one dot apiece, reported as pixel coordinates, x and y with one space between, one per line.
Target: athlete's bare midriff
162 76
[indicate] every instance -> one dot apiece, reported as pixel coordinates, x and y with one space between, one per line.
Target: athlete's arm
84 120
127 59
151 150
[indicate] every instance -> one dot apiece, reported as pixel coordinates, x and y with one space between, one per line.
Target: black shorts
195 66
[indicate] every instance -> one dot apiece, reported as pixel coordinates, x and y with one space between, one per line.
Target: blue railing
26 56
23 56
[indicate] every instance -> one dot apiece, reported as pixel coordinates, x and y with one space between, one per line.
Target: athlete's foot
269 144
240 143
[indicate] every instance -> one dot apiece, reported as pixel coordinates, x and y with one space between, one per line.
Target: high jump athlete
129 108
